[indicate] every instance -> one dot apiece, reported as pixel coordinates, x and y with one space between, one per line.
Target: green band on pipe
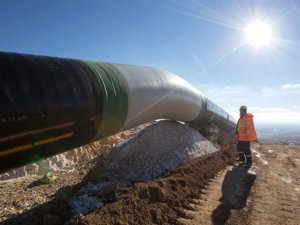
115 105
199 118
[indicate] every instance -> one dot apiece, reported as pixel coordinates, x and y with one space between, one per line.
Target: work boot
248 160
242 157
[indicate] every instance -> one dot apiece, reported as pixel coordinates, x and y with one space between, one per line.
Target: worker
245 133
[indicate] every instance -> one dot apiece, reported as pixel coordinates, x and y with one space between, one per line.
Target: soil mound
160 201
153 153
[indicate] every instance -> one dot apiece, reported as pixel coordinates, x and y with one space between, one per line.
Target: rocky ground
197 189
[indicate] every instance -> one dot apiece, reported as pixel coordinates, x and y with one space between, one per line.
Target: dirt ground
267 193
206 190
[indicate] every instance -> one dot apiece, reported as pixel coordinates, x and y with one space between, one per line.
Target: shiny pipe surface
49 105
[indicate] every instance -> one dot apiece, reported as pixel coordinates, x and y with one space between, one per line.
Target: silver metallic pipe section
156 94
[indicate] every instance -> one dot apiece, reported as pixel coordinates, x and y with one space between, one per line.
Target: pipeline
49 105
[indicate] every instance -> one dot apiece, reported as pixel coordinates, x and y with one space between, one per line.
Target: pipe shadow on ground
35 215
236 188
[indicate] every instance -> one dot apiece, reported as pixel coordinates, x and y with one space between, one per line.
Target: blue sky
202 41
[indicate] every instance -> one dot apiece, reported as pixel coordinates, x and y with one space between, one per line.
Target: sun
258 34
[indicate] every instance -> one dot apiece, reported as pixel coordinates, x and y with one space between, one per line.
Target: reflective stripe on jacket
245 128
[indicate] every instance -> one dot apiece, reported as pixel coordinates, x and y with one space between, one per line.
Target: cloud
238 90
269 104
216 91
268 90
273 115
269 109
290 86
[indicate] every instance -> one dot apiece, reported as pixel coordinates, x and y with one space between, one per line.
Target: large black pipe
49 105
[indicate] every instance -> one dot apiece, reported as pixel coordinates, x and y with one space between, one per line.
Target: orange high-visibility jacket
245 128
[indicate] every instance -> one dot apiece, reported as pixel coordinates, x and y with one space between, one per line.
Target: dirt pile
160 201
153 153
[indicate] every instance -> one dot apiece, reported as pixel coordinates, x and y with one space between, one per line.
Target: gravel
152 153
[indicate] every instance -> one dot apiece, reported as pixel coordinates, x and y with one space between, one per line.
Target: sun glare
258 34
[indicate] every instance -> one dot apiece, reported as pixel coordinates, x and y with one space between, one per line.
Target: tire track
227 193
276 191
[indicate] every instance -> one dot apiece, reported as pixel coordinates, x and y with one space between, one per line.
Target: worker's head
243 110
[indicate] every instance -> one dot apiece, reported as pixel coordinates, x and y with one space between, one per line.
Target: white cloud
290 86
296 107
216 91
268 90
268 109
272 115
238 91
271 105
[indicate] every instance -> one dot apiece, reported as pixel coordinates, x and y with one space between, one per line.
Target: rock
21 172
144 194
156 195
47 178
32 168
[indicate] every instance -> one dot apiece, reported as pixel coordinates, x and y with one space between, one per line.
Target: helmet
243 108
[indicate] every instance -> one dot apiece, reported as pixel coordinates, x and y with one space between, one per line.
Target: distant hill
279 134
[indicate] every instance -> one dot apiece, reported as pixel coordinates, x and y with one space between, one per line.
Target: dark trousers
243 148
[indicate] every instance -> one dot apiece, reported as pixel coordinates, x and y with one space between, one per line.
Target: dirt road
276 193
267 193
